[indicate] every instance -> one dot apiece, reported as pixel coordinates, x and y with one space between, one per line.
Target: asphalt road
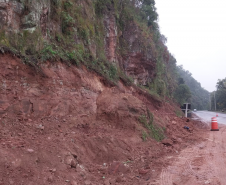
207 115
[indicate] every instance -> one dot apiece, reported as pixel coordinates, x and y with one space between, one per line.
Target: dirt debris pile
68 127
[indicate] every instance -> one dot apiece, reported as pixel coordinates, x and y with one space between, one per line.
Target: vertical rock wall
28 15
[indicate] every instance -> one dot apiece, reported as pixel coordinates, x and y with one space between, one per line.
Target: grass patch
178 113
154 130
144 135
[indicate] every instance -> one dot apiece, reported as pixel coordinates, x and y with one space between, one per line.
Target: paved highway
207 115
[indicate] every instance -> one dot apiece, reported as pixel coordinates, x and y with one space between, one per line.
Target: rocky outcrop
137 62
24 15
111 37
27 15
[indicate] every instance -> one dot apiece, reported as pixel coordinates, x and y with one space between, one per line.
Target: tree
221 84
200 97
148 12
182 94
220 94
180 81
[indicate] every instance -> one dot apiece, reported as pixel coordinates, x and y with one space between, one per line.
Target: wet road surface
207 115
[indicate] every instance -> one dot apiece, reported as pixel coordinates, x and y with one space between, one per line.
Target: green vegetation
80 39
220 96
182 94
154 130
199 97
79 33
178 113
101 6
144 135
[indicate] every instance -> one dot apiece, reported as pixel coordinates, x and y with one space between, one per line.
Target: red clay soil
68 127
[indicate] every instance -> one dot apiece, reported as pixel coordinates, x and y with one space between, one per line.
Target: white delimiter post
186 111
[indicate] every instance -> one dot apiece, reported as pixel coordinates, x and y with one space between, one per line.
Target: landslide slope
67 125
86 93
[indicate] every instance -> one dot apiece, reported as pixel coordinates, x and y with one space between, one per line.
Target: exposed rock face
28 96
18 16
141 69
10 13
68 91
25 15
138 64
111 37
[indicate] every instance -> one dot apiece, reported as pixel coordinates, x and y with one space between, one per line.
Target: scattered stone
30 150
74 164
40 127
167 142
174 122
52 170
71 161
142 171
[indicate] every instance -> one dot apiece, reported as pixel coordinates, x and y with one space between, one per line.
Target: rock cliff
31 27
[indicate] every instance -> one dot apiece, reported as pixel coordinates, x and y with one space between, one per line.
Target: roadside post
185 108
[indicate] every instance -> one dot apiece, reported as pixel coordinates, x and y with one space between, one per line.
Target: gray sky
196 36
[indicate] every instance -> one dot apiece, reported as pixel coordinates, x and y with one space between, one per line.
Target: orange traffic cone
214 125
217 115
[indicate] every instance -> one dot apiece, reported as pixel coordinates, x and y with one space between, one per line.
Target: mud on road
203 163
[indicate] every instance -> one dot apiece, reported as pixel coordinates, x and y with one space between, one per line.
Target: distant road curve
207 115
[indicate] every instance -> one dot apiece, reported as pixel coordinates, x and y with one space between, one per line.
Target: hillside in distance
200 98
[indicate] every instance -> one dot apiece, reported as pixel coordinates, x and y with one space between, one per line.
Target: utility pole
210 101
215 101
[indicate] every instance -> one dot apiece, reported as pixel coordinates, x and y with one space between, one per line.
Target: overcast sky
196 36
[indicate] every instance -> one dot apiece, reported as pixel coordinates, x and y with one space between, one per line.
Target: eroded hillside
68 126
86 94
